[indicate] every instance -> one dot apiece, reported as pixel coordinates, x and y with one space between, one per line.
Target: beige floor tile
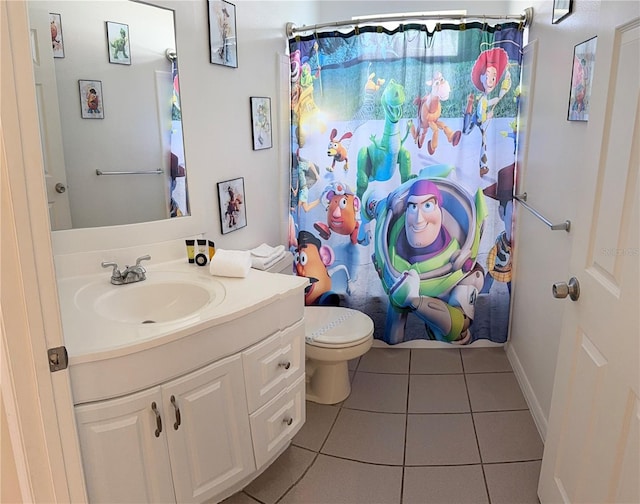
507 436
513 483
385 393
320 418
332 480
444 485
240 498
485 360
495 392
385 360
441 440
281 475
364 436
353 364
438 394
435 361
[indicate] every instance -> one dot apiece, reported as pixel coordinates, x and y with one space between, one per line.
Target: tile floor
420 426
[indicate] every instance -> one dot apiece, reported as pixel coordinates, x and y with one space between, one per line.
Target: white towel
267 251
263 263
230 263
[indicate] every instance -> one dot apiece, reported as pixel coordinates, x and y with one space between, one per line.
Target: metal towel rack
155 172
563 226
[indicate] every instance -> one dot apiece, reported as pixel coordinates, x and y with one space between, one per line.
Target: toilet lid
336 326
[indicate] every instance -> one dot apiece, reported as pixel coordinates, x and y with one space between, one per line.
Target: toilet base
327 382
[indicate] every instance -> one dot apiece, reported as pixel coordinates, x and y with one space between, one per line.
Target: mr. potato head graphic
343 212
311 261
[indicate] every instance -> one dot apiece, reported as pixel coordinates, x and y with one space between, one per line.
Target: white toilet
334 336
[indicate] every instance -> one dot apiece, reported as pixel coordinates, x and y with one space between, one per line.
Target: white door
124 449
49 115
593 445
208 430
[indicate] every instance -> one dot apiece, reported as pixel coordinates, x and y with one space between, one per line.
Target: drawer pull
177 410
158 419
285 364
287 420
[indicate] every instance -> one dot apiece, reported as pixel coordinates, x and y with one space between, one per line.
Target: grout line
475 432
406 429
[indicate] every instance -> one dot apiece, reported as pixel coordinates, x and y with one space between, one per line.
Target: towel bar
562 226
156 172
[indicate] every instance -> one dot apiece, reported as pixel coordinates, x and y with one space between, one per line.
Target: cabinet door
210 445
123 459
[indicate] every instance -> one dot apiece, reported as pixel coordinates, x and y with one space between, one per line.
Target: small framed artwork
584 57
233 211
561 9
118 43
91 103
222 33
57 42
261 122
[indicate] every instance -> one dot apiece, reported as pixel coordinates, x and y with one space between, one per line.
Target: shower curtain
403 150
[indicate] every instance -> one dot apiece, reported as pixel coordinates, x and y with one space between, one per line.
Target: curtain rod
526 17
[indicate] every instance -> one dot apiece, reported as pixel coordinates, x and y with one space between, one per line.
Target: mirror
109 106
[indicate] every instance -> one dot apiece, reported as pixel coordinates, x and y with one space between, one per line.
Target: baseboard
529 395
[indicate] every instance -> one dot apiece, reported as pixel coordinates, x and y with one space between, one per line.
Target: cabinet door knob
287 420
285 364
154 408
177 411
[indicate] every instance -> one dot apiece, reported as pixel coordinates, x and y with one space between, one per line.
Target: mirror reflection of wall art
261 122
233 211
118 43
584 57
91 99
57 42
222 33
561 9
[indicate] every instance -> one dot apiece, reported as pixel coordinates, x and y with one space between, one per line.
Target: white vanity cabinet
184 441
193 415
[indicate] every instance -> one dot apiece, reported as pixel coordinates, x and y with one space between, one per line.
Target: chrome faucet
130 274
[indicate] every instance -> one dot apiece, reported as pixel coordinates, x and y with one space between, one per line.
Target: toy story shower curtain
403 159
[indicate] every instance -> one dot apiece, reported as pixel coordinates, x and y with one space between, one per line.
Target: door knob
60 187
561 289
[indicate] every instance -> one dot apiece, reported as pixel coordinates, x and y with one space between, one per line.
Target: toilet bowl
334 336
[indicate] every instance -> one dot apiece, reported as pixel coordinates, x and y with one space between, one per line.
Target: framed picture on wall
222 33
233 211
57 42
261 122
584 57
118 43
91 103
561 9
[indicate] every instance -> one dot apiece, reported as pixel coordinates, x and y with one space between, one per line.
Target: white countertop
90 337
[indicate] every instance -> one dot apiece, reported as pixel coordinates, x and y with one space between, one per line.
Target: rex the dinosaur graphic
378 160
120 45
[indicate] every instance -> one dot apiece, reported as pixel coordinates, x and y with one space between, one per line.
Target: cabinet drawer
274 364
273 425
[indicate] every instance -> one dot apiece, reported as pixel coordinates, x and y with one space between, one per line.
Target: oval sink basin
149 303
163 297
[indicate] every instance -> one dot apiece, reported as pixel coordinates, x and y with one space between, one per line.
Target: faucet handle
143 258
116 272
